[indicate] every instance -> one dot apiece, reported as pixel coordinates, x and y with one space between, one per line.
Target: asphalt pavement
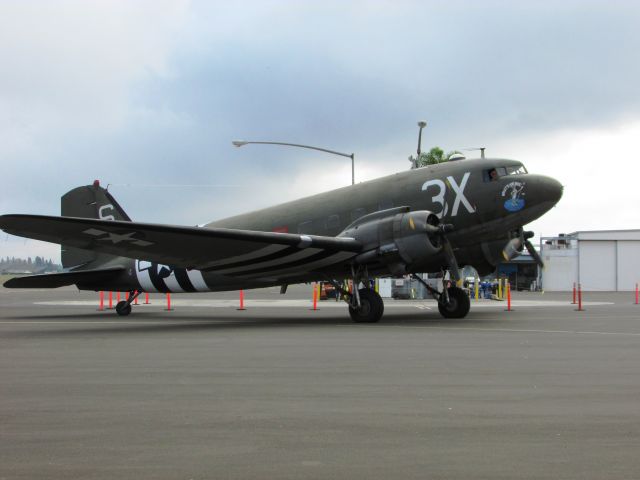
281 391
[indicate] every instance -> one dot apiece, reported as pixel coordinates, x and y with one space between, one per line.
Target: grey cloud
349 76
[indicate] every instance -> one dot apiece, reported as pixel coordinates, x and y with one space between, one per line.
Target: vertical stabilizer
90 201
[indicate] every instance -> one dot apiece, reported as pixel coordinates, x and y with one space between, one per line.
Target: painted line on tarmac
507 330
538 303
575 332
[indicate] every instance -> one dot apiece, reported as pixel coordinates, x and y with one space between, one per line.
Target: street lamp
415 162
241 143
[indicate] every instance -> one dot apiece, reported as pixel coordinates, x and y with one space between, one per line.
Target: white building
607 260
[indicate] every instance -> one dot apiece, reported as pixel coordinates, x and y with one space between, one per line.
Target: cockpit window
516 170
495 173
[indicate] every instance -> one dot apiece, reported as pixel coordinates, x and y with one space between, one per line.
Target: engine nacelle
397 238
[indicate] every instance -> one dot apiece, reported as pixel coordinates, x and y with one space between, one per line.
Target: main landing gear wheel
371 307
458 306
123 308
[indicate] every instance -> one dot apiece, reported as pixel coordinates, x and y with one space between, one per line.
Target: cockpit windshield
495 173
516 170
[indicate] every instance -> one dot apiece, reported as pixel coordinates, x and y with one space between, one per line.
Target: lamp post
415 162
241 143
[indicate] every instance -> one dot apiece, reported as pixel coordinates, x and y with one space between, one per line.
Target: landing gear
458 305
371 307
453 302
123 308
365 305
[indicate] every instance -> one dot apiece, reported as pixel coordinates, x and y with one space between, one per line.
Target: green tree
433 156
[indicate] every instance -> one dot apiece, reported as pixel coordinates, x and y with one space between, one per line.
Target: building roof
597 235
607 235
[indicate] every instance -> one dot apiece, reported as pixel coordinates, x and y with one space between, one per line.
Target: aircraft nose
553 189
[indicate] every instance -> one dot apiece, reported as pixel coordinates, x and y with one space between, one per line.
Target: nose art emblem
513 193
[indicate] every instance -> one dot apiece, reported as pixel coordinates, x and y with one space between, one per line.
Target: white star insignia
116 238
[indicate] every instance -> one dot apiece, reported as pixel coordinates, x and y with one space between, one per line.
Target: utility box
384 287
406 288
401 289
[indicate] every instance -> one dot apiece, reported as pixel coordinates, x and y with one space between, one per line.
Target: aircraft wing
198 248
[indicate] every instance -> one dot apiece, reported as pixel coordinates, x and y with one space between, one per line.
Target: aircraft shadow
189 323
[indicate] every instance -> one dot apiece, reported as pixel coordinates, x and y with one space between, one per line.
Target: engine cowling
397 240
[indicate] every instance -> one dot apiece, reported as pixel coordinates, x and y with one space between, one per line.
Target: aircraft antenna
482 149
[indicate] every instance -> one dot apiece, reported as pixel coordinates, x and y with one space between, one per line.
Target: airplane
428 219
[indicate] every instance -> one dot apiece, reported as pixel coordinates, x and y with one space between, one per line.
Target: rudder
89 201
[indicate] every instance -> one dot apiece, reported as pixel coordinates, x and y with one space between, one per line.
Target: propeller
515 245
534 253
450 257
440 231
512 248
531 249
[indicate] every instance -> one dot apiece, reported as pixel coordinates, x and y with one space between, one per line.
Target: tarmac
281 391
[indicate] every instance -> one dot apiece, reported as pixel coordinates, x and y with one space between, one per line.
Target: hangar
600 260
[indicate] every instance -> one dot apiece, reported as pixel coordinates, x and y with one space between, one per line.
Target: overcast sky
147 96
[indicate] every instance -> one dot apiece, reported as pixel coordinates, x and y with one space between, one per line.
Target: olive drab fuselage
482 207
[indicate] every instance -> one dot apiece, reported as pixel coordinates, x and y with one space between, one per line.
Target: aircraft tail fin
89 201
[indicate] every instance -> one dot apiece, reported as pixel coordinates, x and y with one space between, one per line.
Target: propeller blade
440 232
432 230
512 248
450 257
534 253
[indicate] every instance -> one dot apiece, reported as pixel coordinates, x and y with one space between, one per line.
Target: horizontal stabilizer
55 280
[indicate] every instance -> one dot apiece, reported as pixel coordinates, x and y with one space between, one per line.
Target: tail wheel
371 307
458 306
123 308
